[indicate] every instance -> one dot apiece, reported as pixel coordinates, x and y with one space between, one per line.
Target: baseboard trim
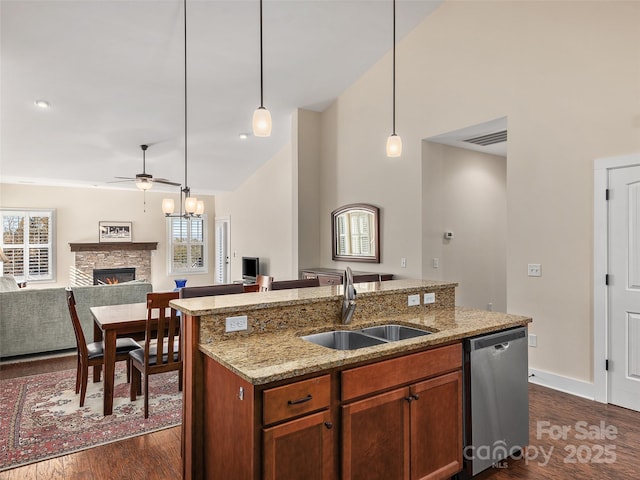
562 384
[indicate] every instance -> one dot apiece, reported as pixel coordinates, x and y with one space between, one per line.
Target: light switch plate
236 324
534 270
429 298
413 300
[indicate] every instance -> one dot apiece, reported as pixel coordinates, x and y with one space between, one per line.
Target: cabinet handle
300 400
329 425
411 398
416 396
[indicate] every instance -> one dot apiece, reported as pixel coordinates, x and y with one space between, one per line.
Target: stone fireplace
116 255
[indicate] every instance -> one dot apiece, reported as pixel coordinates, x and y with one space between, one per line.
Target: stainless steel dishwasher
496 398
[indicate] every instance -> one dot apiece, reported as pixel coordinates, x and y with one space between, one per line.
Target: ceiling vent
488 139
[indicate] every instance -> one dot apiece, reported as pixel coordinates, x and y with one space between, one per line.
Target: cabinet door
375 437
300 450
436 427
330 279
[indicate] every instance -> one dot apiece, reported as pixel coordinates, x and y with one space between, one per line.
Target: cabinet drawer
296 399
367 379
330 279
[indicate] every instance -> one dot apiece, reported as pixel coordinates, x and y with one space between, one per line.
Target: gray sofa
37 320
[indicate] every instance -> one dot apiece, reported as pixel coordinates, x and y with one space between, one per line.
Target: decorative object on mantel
192 206
394 142
114 231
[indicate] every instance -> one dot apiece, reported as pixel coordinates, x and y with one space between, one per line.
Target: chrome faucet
349 302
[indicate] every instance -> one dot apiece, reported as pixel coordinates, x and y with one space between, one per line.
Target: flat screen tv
250 268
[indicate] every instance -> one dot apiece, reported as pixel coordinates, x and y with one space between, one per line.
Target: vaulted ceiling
113 74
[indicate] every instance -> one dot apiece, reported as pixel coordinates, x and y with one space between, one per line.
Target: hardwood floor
551 454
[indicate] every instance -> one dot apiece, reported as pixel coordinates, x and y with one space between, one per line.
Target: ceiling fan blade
166 182
125 178
122 181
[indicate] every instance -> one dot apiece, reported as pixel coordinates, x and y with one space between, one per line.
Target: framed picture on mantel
114 232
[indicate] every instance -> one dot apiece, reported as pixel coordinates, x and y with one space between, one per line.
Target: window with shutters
187 245
27 241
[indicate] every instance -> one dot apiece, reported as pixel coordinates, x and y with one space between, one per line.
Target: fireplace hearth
112 276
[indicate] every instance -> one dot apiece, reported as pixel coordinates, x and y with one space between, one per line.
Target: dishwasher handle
500 339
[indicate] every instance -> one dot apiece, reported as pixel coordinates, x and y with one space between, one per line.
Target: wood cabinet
300 449
412 432
392 419
333 276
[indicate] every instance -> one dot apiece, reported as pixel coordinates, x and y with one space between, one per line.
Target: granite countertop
269 357
200 306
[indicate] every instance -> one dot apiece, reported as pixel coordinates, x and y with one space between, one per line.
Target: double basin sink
365 337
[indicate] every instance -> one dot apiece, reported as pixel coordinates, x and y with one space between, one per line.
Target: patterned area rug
40 416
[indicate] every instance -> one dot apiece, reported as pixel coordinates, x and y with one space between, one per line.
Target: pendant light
192 206
261 116
394 142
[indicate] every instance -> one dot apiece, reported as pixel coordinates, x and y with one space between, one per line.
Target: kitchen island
260 401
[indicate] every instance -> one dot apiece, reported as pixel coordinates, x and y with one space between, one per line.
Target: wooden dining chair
92 354
264 283
162 351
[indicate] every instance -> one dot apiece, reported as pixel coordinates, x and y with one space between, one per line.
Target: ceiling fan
144 180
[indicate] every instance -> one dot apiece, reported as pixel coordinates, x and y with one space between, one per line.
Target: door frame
219 220
600 267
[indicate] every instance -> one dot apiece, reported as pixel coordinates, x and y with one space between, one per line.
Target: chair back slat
166 331
303 283
211 290
77 326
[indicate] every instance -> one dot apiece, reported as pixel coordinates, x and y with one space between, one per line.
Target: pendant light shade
261 122
394 142
261 117
168 206
394 145
190 204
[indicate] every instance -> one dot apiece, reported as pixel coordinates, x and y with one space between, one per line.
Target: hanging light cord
261 76
186 188
394 67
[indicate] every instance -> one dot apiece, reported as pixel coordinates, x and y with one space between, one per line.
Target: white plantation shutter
187 245
27 240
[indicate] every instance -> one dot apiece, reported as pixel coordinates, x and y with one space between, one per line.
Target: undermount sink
343 340
394 333
367 337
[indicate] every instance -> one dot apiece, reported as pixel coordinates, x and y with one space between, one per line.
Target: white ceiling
113 73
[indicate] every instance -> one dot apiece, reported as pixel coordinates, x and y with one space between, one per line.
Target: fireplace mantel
112 246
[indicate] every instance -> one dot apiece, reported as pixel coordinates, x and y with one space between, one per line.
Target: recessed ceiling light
243 136
42 103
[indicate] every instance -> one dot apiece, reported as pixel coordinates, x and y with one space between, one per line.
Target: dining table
111 322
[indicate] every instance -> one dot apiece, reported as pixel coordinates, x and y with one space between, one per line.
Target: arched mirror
355 232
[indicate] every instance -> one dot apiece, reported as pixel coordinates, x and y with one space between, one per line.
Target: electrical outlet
435 262
413 300
533 340
236 324
429 298
534 270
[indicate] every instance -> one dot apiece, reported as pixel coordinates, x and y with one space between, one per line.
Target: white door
624 287
223 264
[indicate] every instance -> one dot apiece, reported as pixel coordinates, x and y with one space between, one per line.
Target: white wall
472 187
261 219
567 76
78 211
